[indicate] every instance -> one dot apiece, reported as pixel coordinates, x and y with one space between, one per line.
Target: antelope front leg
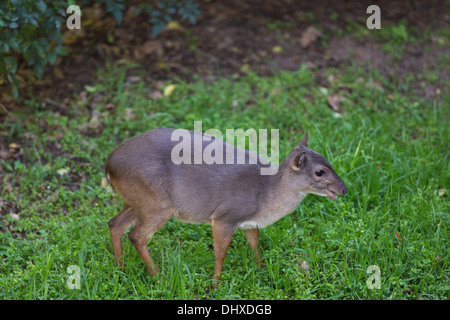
222 235
252 238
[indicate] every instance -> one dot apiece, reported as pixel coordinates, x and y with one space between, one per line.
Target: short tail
106 183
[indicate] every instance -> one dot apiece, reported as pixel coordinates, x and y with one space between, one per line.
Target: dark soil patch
235 36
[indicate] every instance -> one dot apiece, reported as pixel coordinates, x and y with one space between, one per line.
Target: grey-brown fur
145 161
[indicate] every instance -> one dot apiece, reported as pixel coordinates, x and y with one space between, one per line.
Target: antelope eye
320 173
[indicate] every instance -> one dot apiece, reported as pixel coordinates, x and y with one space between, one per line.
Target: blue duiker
227 196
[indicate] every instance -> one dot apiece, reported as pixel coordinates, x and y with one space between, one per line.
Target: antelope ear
299 162
304 141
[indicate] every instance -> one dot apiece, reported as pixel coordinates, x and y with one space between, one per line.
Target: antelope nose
344 190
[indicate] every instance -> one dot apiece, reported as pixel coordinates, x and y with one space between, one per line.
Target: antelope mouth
332 191
330 194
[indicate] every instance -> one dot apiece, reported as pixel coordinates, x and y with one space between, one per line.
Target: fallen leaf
375 85
8 186
4 153
310 65
437 39
441 192
174 25
90 89
156 94
168 90
310 35
275 91
162 65
151 46
245 68
277 49
134 79
304 266
3 109
324 91
13 145
82 96
333 102
29 136
147 48
94 122
63 171
129 114
58 73
6 98
15 216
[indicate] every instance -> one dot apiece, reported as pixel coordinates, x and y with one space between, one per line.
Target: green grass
390 148
394 38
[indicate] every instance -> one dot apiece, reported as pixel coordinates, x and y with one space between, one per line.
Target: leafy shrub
31 29
166 9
